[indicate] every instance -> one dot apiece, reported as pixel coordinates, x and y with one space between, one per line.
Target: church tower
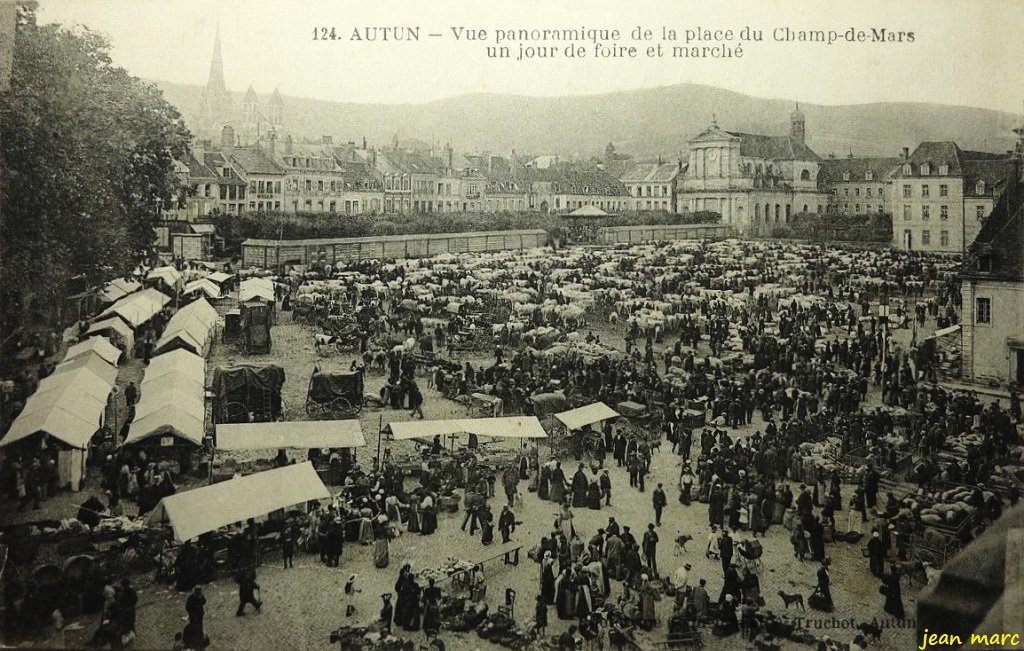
276 109
797 127
216 105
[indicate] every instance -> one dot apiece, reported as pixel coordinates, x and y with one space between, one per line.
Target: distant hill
646 123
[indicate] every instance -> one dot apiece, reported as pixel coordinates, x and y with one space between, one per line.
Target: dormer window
926 169
979 187
985 262
907 169
943 169
846 176
869 176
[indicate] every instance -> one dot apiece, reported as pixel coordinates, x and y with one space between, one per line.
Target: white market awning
293 435
98 345
195 512
588 415
521 427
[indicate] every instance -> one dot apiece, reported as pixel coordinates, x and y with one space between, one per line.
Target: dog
681 541
797 599
870 630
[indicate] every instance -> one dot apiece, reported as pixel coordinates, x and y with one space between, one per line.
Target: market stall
202 510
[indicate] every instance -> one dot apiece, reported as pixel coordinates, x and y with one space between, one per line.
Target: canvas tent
256 288
521 427
294 435
135 309
117 289
70 407
91 362
189 328
169 277
117 331
588 415
195 512
100 346
204 286
219 277
171 401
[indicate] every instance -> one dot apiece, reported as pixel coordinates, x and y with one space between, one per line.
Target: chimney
906 153
326 140
373 157
199 151
227 137
272 145
679 165
449 155
364 143
288 141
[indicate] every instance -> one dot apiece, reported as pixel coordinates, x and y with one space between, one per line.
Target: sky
962 51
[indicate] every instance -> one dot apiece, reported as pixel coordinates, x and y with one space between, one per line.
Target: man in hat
606 487
876 555
651 548
659 501
247 588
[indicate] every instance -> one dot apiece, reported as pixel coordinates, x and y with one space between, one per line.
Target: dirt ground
302 605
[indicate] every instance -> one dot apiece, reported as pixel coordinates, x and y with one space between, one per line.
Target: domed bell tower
797 126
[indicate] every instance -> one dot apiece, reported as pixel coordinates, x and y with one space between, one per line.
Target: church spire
216 106
215 82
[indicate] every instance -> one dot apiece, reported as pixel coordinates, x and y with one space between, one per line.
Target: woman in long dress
822 597
893 595
381 546
565 602
413 525
565 521
428 516
557 489
544 483
547 578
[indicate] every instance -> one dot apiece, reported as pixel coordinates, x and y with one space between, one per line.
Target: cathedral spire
216 105
215 82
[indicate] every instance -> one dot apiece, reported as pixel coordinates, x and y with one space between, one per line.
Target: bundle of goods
501 629
362 638
467 619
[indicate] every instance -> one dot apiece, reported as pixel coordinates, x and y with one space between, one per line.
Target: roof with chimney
948 153
834 170
253 161
1000 240
410 162
568 178
197 171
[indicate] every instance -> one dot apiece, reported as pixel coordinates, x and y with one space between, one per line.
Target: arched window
805 175
979 187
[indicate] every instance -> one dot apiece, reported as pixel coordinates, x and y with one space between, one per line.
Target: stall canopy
204 285
256 288
189 328
70 407
169 276
95 345
135 309
219 277
519 427
117 289
295 435
195 512
171 400
91 362
116 330
588 415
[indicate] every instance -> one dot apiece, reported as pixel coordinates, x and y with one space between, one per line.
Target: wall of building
987 351
264 253
919 216
629 234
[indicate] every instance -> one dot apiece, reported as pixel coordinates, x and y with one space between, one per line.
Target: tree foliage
89 157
